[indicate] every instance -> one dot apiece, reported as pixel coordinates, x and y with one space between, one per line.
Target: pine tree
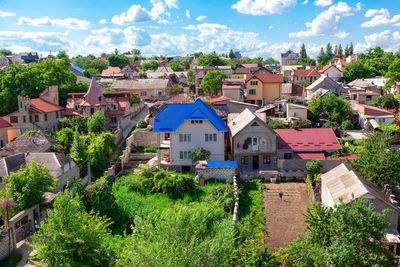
328 50
78 148
346 50
322 57
335 50
231 54
303 52
340 49
351 49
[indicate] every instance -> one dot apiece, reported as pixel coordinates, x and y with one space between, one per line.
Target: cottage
146 89
4 126
292 92
372 115
62 168
234 89
252 142
263 88
184 129
305 76
111 73
40 113
339 62
326 83
331 71
342 184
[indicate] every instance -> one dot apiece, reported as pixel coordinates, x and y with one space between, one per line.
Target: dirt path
284 216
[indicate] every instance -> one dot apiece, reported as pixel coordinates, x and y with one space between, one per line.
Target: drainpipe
158 151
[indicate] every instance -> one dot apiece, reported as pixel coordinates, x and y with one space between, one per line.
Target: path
138 117
285 216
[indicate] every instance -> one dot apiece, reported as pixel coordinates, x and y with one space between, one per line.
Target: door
255 163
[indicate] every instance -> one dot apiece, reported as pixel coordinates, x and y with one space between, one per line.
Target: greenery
276 124
117 60
300 123
64 137
223 194
153 65
213 59
90 64
142 149
97 122
142 75
28 184
141 124
386 101
191 78
393 74
175 89
313 166
175 66
212 82
135 99
377 161
201 154
100 151
5 52
390 128
349 236
12 260
72 237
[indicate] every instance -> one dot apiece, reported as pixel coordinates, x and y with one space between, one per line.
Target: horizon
178 27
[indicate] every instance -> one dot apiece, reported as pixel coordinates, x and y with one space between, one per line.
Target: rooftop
306 73
4 123
266 78
44 106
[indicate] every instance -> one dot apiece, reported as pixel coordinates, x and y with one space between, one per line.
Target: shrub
12 260
276 124
97 122
313 166
141 124
223 195
301 123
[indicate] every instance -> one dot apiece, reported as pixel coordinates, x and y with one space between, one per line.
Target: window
99 98
24 118
266 159
244 160
14 119
56 114
45 117
287 155
185 138
254 83
76 107
143 93
114 106
252 92
295 114
91 111
1 143
114 119
36 118
211 137
185 155
196 121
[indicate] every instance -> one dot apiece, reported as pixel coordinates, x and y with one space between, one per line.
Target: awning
309 155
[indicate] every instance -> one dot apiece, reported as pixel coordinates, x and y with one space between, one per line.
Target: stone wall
143 138
297 167
236 207
219 173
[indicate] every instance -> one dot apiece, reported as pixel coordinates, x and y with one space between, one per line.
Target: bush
301 123
276 124
97 122
223 195
12 260
141 124
347 125
135 99
313 166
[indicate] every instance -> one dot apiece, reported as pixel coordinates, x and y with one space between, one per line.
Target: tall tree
212 82
335 50
231 54
322 57
347 50
303 52
117 60
340 49
97 122
78 148
393 74
351 49
328 51
356 70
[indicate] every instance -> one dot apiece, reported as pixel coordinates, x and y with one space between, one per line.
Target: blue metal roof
222 164
172 116
78 68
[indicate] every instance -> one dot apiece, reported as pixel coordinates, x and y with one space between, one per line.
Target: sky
180 27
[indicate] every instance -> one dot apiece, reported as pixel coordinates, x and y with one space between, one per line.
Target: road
138 117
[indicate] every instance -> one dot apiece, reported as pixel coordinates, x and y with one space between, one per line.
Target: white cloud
188 14
200 18
386 40
327 22
304 2
70 23
135 14
270 27
4 14
103 21
262 7
323 3
172 3
380 17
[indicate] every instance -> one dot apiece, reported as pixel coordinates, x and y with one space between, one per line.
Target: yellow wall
13 133
302 112
271 92
259 90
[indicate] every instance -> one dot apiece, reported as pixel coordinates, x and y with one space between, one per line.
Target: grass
12 260
250 198
140 130
143 149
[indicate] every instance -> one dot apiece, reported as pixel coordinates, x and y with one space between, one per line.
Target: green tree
212 82
377 161
175 89
303 52
386 101
78 149
135 99
276 124
356 70
28 184
142 75
117 60
5 52
300 123
175 66
100 151
97 122
347 51
393 74
231 54
153 65
340 49
65 137
313 167
351 49
323 58
212 59
190 76
72 237
136 52
328 51
64 56
335 50
318 220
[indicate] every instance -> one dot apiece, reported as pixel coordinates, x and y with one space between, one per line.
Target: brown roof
266 78
36 142
306 73
249 65
44 106
327 67
4 123
94 96
111 71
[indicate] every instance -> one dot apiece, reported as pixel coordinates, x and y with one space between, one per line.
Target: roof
344 184
4 123
327 67
171 117
306 73
79 69
94 96
44 106
110 71
309 155
219 99
266 78
231 87
141 84
249 65
310 139
221 164
324 82
36 142
371 110
241 121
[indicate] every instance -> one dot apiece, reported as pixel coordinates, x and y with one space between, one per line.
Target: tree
5 52
276 124
212 82
65 137
117 60
328 51
100 151
378 162
303 53
351 49
313 167
28 184
386 101
393 74
97 122
142 75
175 89
231 54
347 50
300 123
63 55
7 205
72 237
190 77
136 52
212 59
78 149
323 58
335 50
340 49
356 70
135 99
153 65
175 66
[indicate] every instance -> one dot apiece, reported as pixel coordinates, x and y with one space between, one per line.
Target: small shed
222 170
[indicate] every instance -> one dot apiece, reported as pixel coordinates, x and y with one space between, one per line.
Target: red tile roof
44 106
111 71
306 73
4 123
309 155
311 139
94 96
266 78
219 99
327 67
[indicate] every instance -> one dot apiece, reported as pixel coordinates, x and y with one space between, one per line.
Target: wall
333 73
393 217
233 94
259 91
3 137
143 138
239 107
301 112
219 173
67 178
297 167
271 92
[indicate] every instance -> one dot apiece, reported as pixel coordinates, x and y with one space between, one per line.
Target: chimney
12 152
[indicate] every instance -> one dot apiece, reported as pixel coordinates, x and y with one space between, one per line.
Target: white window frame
252 91
185 138
210 137
185 154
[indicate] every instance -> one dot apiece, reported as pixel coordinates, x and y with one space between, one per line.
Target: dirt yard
284 216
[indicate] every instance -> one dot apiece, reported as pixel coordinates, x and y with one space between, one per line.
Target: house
263 88
342 184
326 83
4 126
220 105
373 115
245 68
339 62
252 142
36 142
307 143
117 106
292 92
129 72
62 168
4 61
288 71
331 71
352 58
289 111
183 129
238 106
234 89
29 57
200 71
288 57
146 89
111 74
305 76
40 113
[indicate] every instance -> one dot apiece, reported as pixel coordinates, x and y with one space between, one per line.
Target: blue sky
178 27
